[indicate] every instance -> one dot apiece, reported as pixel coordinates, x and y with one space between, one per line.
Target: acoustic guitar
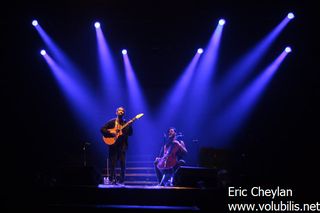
118 131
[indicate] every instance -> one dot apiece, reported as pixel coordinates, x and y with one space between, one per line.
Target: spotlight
124 51
222 22
34 22
288 49
43 52
290 15
200 50
97 25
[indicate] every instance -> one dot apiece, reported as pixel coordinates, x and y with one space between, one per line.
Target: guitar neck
129 122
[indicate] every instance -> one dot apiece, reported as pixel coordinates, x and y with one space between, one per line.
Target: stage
118 198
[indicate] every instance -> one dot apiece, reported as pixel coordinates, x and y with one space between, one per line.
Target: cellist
170 157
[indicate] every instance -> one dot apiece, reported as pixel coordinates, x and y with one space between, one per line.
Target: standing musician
117 150
170 158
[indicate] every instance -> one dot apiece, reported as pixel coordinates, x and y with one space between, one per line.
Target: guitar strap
117 125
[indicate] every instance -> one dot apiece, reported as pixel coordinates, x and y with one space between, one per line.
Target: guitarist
170 157
117 151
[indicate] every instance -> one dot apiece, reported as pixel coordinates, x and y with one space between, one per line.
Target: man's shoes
121 182
113 182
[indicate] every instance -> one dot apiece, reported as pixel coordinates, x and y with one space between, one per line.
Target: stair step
139 178
139 168
146 170
141 182
133 171
136 175
139 163
140 174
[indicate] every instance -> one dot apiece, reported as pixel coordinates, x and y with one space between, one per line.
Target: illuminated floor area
108 186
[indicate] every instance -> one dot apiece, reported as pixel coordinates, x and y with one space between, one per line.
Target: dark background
38 131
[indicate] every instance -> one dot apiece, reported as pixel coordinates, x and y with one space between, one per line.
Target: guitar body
109 141
112 140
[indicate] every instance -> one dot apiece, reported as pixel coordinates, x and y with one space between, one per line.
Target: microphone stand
106 180
84 148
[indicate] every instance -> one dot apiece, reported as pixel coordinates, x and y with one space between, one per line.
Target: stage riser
93 197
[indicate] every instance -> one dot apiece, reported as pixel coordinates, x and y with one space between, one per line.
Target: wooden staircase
138 172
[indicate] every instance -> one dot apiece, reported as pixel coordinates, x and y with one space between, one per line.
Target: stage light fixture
43 52
200 50
290 15
34 22
288 49
124 51
97 25
222 22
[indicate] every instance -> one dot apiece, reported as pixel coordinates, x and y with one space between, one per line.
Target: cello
169 159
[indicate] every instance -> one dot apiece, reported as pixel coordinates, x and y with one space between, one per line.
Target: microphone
85 145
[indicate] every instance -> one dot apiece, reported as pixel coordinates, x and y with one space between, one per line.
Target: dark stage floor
117 198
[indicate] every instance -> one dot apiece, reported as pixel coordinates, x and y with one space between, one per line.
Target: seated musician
170 158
